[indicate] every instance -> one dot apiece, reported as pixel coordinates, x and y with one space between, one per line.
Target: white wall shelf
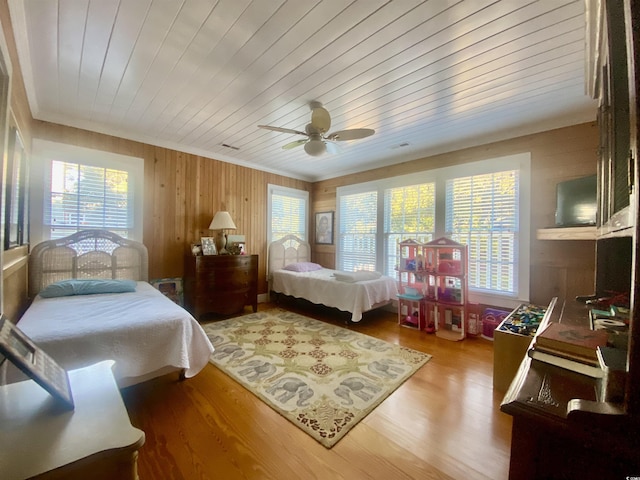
567 233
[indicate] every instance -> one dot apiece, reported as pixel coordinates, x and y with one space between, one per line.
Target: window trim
44 151
519 161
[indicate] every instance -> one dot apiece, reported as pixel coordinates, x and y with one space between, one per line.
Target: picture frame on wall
208 246
16 199
16 346
324 228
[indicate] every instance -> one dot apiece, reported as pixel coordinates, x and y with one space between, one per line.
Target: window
288 213
14 167
81 197
84 189
410 212
484 205
482 213
357 231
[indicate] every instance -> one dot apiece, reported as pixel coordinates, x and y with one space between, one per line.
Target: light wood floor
444 422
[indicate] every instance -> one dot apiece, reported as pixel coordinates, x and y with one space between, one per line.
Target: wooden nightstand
220 284
40 440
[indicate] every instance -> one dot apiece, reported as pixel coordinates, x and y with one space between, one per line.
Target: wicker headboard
87 254
288 249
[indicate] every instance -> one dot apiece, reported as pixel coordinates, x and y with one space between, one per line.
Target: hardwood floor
444 422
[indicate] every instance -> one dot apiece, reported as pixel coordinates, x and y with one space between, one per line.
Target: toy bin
511 340
491 318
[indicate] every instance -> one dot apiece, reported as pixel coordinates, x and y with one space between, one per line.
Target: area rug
322 378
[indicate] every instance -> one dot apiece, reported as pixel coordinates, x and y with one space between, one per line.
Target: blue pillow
65 288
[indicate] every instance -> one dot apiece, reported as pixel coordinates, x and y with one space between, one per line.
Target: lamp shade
222 220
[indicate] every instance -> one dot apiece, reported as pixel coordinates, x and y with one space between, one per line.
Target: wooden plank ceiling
428 76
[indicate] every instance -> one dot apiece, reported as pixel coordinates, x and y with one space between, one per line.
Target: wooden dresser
220 284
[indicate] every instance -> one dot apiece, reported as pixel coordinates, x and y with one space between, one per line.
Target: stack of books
571 347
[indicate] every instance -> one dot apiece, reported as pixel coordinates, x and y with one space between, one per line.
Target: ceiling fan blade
282 130
352 134
294 144
333 148
320 119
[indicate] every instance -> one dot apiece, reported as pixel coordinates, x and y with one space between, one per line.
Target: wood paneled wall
182 192
558 268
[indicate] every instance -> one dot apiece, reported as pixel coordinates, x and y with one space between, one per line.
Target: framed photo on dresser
208 246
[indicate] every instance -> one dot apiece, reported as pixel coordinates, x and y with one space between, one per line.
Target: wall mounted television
577 202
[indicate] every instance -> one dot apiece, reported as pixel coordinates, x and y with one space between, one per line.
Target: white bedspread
142 331
321 287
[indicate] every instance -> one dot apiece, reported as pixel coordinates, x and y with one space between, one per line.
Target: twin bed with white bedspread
142 330
353 292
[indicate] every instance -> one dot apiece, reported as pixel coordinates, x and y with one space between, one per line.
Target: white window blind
82 197
482 212
74 188
288 212
409 212
357 230
483 204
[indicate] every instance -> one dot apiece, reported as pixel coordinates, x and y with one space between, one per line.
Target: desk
41 440
549 439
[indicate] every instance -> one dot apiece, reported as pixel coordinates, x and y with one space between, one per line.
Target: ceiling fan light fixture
318 141
315 148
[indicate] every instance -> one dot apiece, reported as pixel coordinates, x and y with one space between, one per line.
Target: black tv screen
577 202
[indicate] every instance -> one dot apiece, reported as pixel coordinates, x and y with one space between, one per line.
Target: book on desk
570 347
568 364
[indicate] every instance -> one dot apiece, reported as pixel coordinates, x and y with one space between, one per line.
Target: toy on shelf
430 318
410 313
432 286
410 284
474 322
445 280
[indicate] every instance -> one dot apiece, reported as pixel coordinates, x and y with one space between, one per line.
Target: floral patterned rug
322 378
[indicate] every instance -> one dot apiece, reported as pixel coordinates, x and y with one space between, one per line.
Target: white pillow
303 267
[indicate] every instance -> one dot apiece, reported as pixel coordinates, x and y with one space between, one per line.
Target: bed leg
182 375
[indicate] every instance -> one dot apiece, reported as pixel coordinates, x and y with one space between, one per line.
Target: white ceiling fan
318 141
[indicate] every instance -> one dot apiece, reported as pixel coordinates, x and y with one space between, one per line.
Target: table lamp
222 221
